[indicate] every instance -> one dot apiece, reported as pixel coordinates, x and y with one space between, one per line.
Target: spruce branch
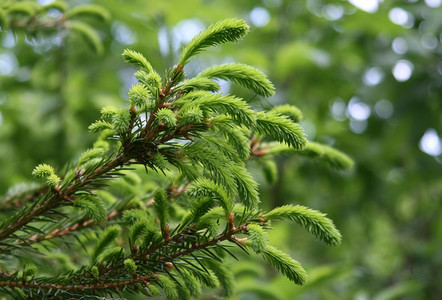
312 220
243 75
285 264
21 198
59 195
181 234
86 223
83 224
328 155
281 128
229 30
325 154
33 17
34 284
95 11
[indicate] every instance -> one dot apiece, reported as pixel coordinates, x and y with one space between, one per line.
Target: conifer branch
241 74
59 196
20 199
187 130
33 284
34 17
229 30
314 221
88 223
220 238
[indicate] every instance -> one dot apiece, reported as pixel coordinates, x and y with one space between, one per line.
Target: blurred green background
367 75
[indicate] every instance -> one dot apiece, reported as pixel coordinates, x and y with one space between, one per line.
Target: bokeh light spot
401 17
358 110
429 41
123 34
8 64
430 143
9 40
163 40
358 126
333 12
384 109
370 6
433 3
403 70
399 45
373 76
259 16
45 2
309 128
185 30
338 109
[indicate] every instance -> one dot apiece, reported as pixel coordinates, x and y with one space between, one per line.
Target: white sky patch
430 143
128 79
433 3
370 6
320 58
23 74
373 76
54 13
401 17
309 128
184 31
338 110
403 70
400 45
259 16
358 126
429 41
333 12
45 2
123 34
8 64
358 110
163 40
9 40
224 86
384 109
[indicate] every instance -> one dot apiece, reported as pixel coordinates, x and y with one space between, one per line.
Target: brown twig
33 284
58 196
76 227
17 201
222 237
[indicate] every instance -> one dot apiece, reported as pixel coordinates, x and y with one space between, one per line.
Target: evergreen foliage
206 203
314 221
280 128
137 59
86 10
229 30
88 33
285 264
92 206
290 111
244 75
328 155
258 237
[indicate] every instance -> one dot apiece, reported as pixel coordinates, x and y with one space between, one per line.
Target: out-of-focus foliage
369 83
